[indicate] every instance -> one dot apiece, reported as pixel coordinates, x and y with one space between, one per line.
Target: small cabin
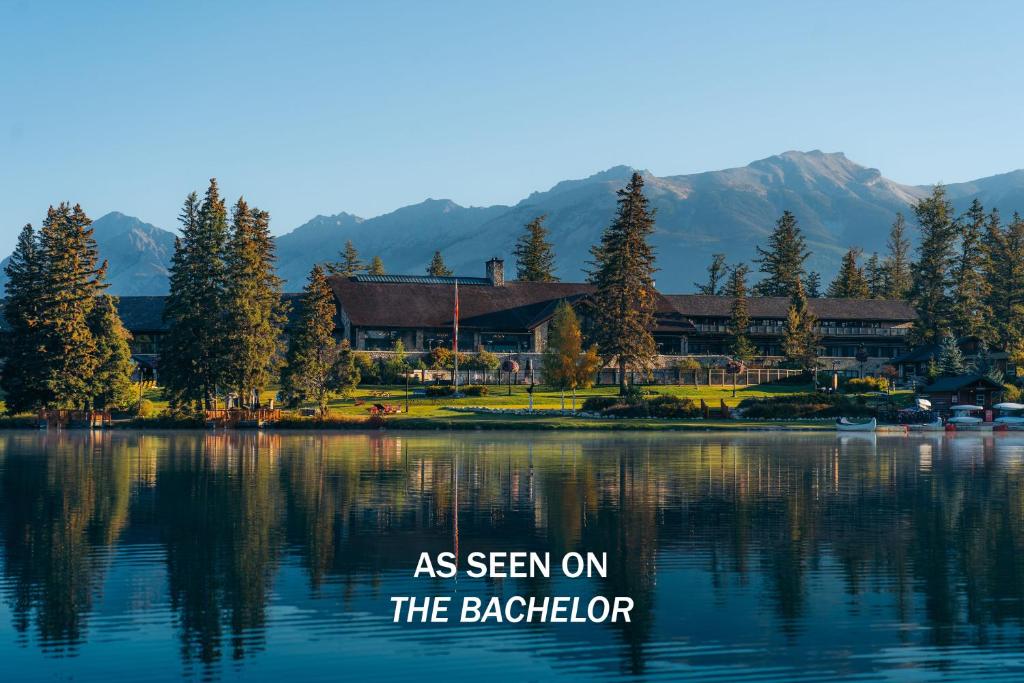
963 389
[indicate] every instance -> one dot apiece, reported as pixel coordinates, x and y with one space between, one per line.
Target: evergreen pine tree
739 318
23 379
1003 269
800 338
309 368
349 264
623 273
345 375
951 360
812 284
255 312
897 265
376 266
874 273
112 385
717 272
971 315
195 351
437 268
850 282
71 279
565 364
535 257
931 274
783 261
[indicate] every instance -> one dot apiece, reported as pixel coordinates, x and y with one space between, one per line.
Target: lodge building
512 317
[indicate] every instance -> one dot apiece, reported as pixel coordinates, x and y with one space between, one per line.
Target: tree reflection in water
933 525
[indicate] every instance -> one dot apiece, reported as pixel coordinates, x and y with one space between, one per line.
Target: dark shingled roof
944 384
776 307
514 306
142 313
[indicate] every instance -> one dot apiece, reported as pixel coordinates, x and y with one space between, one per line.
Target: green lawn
431 413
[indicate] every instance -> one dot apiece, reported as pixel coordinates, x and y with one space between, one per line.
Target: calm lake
274 556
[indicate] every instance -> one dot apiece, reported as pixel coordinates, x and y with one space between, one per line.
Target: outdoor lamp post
511 367
835 375
735 367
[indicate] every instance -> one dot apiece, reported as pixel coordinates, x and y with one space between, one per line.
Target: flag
455 340
455 336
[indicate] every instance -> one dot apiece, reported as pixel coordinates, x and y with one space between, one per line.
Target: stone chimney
496 272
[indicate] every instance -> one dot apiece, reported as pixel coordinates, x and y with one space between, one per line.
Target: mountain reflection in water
221 556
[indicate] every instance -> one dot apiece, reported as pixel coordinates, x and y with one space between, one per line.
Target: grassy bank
430 413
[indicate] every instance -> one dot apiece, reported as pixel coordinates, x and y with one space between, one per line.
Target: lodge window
506 342
143 344
433 339
669 345
381 340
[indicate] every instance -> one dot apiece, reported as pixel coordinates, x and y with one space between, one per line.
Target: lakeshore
501 408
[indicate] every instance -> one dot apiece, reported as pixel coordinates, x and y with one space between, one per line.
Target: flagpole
455 341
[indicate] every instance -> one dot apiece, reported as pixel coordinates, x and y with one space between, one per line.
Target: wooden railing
60 419
235 417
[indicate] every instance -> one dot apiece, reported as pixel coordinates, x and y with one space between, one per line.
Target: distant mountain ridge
838 203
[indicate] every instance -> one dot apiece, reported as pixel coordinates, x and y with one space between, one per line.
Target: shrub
672 406
145 408
859 385
447 390
806 405
595 404
794 380
1012 393
369 370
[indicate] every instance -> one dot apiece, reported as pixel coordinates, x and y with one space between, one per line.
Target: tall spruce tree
812 284
623 274
1003 269
850 282
740 345
874 273
800 338
535 256
971 315
255 311
349 264
437 268
783 261
950 360
931 274
195 353
309 368
112 385
376 266
897 265
71 279
718 272
23 377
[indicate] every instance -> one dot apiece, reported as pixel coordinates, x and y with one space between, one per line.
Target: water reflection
746 555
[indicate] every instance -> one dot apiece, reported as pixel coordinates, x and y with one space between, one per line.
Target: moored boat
844 424
962 415
1010 413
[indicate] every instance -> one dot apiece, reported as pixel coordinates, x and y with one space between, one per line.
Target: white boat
1010 413
935 426
962 415
845 425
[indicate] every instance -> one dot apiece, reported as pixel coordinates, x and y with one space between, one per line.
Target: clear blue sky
320 107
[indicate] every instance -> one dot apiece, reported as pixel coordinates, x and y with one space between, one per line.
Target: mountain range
837 202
